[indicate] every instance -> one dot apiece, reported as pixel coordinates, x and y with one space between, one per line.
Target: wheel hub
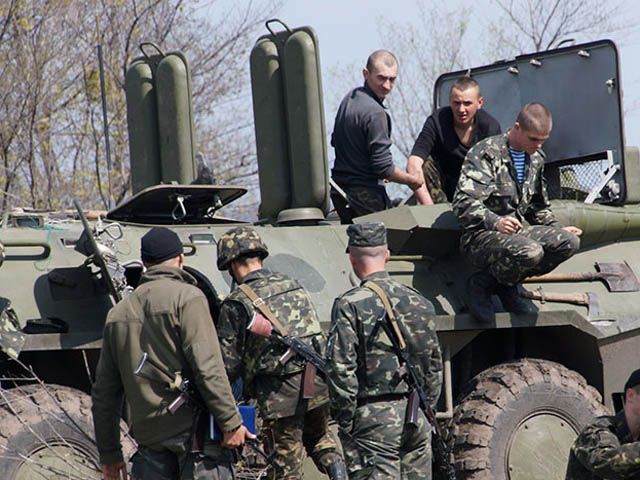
58 461
540 447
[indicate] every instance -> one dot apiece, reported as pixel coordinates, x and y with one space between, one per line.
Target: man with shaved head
446 137
362 142
501 186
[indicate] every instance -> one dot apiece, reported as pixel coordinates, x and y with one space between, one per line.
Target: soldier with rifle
270 335
380 394
168 318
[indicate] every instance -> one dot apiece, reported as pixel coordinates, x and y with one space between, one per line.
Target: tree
537 25
51 132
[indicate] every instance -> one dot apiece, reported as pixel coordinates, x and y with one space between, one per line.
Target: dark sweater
362 140
439 140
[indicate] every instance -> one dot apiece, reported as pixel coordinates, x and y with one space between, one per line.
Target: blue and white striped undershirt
519 160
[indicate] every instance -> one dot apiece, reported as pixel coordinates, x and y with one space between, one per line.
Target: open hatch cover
580 85
176 204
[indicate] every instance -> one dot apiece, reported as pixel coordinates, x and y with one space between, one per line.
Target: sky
348 32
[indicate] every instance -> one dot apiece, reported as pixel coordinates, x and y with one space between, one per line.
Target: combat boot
481 286
511 300
336 471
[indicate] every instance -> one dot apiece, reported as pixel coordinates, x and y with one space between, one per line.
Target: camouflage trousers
382 446
535 250
149 464
433 181
290 437
360 201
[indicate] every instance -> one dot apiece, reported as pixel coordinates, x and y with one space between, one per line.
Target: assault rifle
152 370
262 327
443 470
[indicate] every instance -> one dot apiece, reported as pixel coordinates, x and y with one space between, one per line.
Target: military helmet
238 242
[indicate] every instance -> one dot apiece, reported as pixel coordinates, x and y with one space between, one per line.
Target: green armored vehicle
515 393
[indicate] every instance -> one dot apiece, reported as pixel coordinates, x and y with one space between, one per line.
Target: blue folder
248 414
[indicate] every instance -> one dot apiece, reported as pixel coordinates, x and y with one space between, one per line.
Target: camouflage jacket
256 359
488 189
362 362
604 450
167 317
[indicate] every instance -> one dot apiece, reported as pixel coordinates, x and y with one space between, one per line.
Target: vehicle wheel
46 432
518 421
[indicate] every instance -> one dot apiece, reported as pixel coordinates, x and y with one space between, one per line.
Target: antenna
105 124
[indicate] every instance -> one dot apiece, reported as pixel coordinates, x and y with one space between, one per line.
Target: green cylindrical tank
142 120
600 223
175 119
305 119
270 128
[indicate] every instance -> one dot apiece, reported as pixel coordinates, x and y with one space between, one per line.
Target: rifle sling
259 304
375 288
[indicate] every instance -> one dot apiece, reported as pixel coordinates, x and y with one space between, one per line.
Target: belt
387 397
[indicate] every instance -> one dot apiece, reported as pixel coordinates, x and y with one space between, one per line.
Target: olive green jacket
168 318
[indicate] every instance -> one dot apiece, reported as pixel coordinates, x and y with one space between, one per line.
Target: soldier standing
502 185
293 401
608 448
368 394
168 318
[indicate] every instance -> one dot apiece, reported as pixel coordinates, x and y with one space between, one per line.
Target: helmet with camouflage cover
238 242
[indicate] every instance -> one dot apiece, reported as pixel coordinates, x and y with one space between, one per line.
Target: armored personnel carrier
515 393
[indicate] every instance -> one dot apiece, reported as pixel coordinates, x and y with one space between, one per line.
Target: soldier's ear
387 256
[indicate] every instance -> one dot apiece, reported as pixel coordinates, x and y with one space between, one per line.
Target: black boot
481 286
336 471
511 299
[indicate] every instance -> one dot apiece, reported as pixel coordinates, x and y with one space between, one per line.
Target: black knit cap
159 244
634 379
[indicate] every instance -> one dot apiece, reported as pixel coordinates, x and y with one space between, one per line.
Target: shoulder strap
258 303
375 288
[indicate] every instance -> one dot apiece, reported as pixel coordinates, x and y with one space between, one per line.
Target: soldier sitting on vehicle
293 400
362 141
608 448
502 185
445 139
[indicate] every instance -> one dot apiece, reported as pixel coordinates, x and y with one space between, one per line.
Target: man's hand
237 437
412 180
508 225
575 230
415 181
414 167
114 471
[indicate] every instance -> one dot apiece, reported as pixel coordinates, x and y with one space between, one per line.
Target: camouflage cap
370 234
634 380
238 242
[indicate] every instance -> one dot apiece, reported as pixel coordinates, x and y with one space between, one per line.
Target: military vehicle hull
515 393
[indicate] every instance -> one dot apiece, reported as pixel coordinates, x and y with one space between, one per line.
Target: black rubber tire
499 399
34 417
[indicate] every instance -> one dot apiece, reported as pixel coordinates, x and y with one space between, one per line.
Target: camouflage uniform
292 423
487 191
360 201
605 450
368 395
433 180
